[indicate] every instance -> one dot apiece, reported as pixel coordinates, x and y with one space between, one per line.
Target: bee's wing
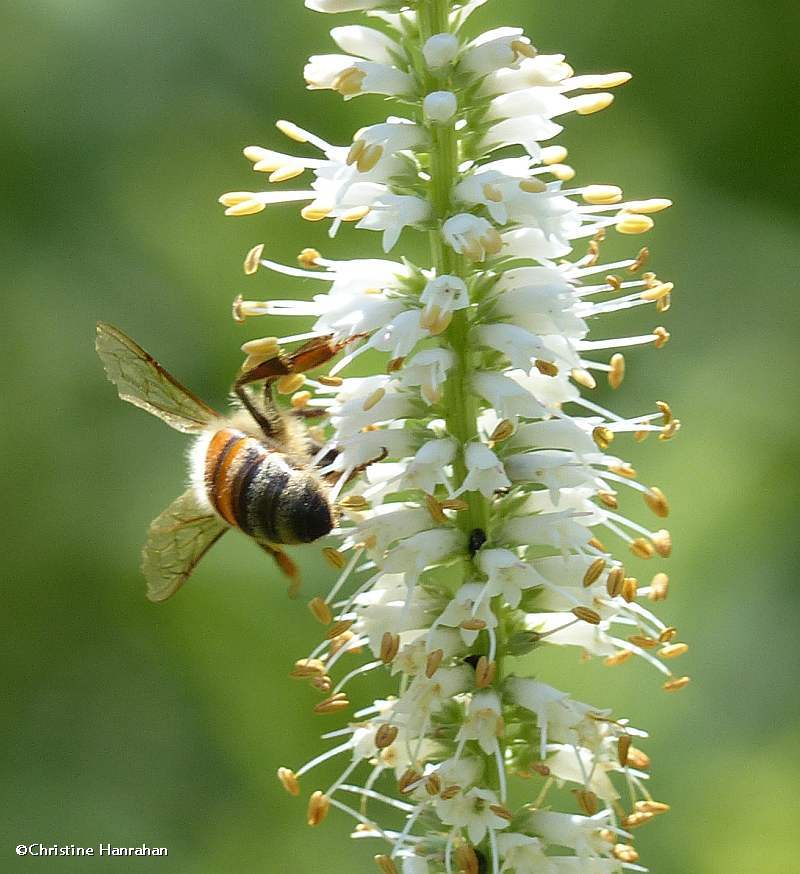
176 542
142 381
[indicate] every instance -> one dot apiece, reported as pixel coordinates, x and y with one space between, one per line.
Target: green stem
460 404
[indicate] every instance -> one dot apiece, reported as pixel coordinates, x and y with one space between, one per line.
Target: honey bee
252 470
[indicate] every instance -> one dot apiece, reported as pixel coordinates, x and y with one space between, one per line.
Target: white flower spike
483 515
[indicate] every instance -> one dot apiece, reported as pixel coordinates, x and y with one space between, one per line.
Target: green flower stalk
482 511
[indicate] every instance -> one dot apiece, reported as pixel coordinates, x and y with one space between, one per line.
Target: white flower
573 765
428 548
470 603
472 236
524 854
352 77
479 512
495 49
442 296
484 721
440 106
366 42
427 468
472 811
428 370
507 574
485 473
518 345
439 50
391 213
579 833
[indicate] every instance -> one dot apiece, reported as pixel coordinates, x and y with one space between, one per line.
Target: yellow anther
474 624
523 49
373 399
288 171
290 383
331 381
553 155
354 502
253 259
587 801
308 258
386 864
355 214
493 193
615 581
534 185
675 685
586 614
654 204
315 213
629 589
603 437
355 151
258 154
390 645
246 207
618 658
659 587
593 572
640 260
349 81
334 557
291 130
288 780
583 377
546 368
333 704
562 172
641 547
318 807
485 672
630 223
602 194
368 158
587 104
625 853
662 541
657 502
502 431
673 650
662 336
608 499
657 292
617 373
320 610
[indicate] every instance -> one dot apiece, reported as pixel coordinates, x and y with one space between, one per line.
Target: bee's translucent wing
142 381
176 542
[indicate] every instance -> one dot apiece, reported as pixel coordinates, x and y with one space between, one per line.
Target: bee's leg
287 567
310 414
269 419
333 477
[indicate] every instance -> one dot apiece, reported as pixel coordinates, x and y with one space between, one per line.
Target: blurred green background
130 723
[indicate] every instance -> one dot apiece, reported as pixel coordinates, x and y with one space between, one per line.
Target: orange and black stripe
233 460
255 489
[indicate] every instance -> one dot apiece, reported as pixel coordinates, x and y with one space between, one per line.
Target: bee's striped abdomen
232 459
258 490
